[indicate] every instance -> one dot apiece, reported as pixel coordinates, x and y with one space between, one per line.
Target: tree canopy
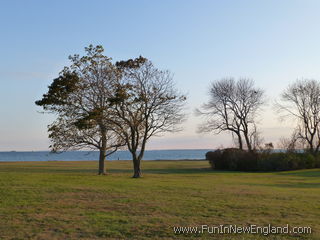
79 98
146 104
107 106
301 100
233 107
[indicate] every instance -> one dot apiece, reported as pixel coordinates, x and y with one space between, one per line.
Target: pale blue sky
274 42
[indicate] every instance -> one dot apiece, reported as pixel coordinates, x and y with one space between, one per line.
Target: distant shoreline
152 155
48 151
159 160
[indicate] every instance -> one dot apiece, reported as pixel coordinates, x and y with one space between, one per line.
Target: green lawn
67 200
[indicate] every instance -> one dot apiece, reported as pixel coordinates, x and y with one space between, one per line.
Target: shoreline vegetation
68 200
256 161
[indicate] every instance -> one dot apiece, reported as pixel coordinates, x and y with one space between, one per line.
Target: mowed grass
67 200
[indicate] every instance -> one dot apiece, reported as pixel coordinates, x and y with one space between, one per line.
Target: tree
233 107
146 104
301 100
288 144
79 98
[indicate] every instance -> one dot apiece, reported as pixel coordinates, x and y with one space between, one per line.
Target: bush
272 162
317 161
311 161
294 161
301 161
214 157
232 159
240 160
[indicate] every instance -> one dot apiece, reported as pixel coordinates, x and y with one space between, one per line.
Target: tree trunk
102 158
240 141
136 167
247 141
103 151
311 149
317 148
310 142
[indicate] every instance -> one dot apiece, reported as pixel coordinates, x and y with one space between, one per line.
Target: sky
272 42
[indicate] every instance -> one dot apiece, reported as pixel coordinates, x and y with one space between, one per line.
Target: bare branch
233 106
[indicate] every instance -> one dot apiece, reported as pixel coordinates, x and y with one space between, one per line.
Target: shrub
308 160
240 160
232 159
271 161
247 161
214 158
293 160
317 161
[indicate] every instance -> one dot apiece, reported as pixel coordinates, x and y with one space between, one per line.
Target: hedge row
240 160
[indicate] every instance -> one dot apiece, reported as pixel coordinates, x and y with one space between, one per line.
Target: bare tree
288 144
146 104
233 107
79 98
301 100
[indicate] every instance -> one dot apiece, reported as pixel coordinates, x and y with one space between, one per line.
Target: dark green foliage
214 158
79 98
121 94
232 159
89 119
240 160
131 63
317 161
309 161
59 90
272 162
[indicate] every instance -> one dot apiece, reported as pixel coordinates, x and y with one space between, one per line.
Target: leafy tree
145 104
79 98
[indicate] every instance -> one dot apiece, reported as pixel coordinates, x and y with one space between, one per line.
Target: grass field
67 200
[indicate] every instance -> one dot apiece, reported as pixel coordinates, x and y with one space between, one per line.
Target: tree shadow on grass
70 170
301 185
147 170
302 173
46 170
291 185
173 171
111 170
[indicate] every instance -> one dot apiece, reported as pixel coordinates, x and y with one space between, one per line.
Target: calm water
93 155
